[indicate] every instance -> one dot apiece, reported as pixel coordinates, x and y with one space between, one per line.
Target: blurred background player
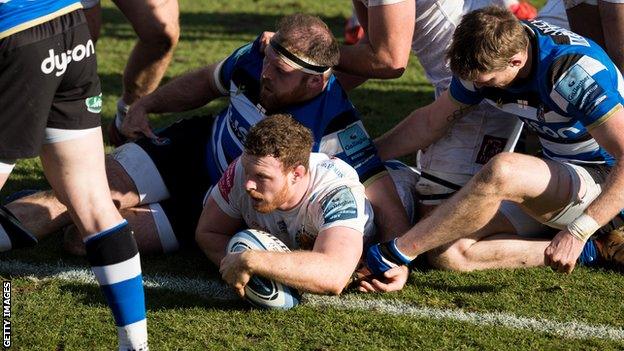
156 23
50 106
602 21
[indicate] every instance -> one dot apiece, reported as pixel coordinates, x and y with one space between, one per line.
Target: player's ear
315 82
516 60
298 173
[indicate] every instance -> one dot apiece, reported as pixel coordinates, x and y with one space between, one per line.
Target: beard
273 101
261 205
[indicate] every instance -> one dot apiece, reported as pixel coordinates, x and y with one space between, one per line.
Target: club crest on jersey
94 103
59 62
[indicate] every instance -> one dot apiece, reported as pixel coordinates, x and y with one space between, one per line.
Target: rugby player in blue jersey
50 106
565 88
159 182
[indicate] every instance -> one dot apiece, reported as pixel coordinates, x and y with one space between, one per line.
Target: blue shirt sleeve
232 61
464 92
588 91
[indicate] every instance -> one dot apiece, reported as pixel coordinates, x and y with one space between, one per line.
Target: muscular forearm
187 92
304 270
364 60
411 134
390 216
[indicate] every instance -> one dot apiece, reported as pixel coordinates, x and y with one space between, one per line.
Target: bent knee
499 171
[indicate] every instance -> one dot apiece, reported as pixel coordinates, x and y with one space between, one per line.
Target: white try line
213 289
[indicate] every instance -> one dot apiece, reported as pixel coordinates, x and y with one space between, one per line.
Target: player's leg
12 234
73 161
511 239
152 231
157 26
612 16
80 183
42 213
93 12
539 186
584 19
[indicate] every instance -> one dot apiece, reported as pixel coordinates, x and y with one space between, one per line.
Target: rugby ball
259 291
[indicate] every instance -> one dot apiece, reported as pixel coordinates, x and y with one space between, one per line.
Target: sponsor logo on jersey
94 103
354 139
59 62
579 88
338 205
554 31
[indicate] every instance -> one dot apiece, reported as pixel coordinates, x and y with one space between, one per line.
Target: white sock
133 336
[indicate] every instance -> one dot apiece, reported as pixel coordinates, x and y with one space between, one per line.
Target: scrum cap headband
303 64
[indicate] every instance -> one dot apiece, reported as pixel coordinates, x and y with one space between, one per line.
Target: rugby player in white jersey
568 91
312 203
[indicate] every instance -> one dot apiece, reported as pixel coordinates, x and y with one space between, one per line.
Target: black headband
294 58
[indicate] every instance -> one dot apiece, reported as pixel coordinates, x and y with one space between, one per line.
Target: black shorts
181 159
48 78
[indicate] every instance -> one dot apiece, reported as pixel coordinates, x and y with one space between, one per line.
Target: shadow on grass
469 289
213 25
156 299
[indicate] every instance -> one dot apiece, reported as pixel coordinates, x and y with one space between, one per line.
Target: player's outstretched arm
214 230
420 128
324 270
189 91
384 52
566 246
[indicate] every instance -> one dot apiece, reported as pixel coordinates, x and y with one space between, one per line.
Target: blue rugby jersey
573 87
17 15
336 126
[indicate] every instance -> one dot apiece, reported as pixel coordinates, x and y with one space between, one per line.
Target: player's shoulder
326 169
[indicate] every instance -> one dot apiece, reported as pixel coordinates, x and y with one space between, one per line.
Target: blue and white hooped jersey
17 15
334 122
573 87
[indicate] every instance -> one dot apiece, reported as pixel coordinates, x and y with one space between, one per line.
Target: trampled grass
521 309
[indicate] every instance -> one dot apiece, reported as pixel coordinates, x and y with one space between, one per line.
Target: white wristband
583 227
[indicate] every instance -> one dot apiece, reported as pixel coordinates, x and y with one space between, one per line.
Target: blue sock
115 260
589 255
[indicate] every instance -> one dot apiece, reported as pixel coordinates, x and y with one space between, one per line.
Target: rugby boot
610 248
18 235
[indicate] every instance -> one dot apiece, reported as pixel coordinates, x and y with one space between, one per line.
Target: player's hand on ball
563 251
235 272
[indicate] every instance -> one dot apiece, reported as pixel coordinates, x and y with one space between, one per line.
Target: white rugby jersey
436 21
334 198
